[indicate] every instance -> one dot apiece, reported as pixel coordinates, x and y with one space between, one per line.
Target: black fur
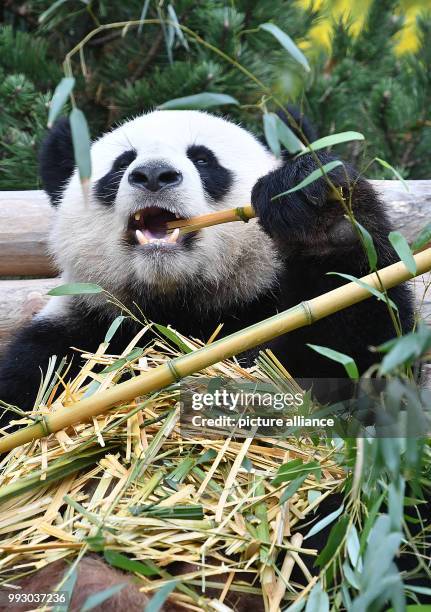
107 187
304 226
216 179
301 120
56 160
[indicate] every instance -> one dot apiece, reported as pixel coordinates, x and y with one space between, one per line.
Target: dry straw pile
131 486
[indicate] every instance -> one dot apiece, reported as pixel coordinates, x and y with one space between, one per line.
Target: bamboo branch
301 315
193 224
242 213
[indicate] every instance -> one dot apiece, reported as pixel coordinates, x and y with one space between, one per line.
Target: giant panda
165 165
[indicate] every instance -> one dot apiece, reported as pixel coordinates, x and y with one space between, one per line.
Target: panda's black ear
306 126
56 161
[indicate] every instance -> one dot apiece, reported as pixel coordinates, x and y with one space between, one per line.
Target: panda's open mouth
149 227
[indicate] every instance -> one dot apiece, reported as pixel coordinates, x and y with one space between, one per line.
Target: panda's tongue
152 226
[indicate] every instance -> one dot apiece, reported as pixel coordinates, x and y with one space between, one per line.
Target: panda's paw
293 213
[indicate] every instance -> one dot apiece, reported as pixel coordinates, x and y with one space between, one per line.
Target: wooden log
25 217
410 210
19 301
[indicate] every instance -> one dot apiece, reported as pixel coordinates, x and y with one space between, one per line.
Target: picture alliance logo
219 407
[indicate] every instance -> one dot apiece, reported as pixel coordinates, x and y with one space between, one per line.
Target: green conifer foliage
361 85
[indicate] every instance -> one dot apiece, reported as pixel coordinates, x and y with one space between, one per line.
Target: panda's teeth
174 236
141 238
137 216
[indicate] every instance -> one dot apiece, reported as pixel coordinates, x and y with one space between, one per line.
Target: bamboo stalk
193 224
242 213
259 333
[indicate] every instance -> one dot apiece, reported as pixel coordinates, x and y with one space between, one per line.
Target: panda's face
159 167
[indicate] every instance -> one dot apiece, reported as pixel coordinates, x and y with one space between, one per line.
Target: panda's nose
155 177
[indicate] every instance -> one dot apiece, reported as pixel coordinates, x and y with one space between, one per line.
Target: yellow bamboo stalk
242 213
300 315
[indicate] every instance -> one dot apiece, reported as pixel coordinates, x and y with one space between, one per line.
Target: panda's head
161 166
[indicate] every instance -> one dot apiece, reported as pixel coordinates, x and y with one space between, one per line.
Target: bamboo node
308 312
240 212
44 424
175 374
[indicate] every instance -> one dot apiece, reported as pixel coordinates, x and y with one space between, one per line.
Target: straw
174 370
161 504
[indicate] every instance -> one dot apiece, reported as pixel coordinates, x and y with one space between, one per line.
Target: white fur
232 262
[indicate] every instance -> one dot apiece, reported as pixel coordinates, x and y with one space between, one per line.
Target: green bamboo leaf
378 294
388 166
208 455
398 596
173 337
96 599
406 349
396 490
422 591
345 360
403 250
286 42
314 176
190 512
75 289
382 547
330 141
51 9
203 100
369 245
296 607
423 238
350 576
261 513
324 522
115 366
178 31
247 464
287 137
353 548
292 488
59 98
143 15
335 539
81 143
313 495
116 559
271 133
318 600
391 450
294 468
58 471
369 523
119 363
67 588
113 328
156 602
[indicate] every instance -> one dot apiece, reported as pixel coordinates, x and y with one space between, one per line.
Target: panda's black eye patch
216 179
124 160
106 188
